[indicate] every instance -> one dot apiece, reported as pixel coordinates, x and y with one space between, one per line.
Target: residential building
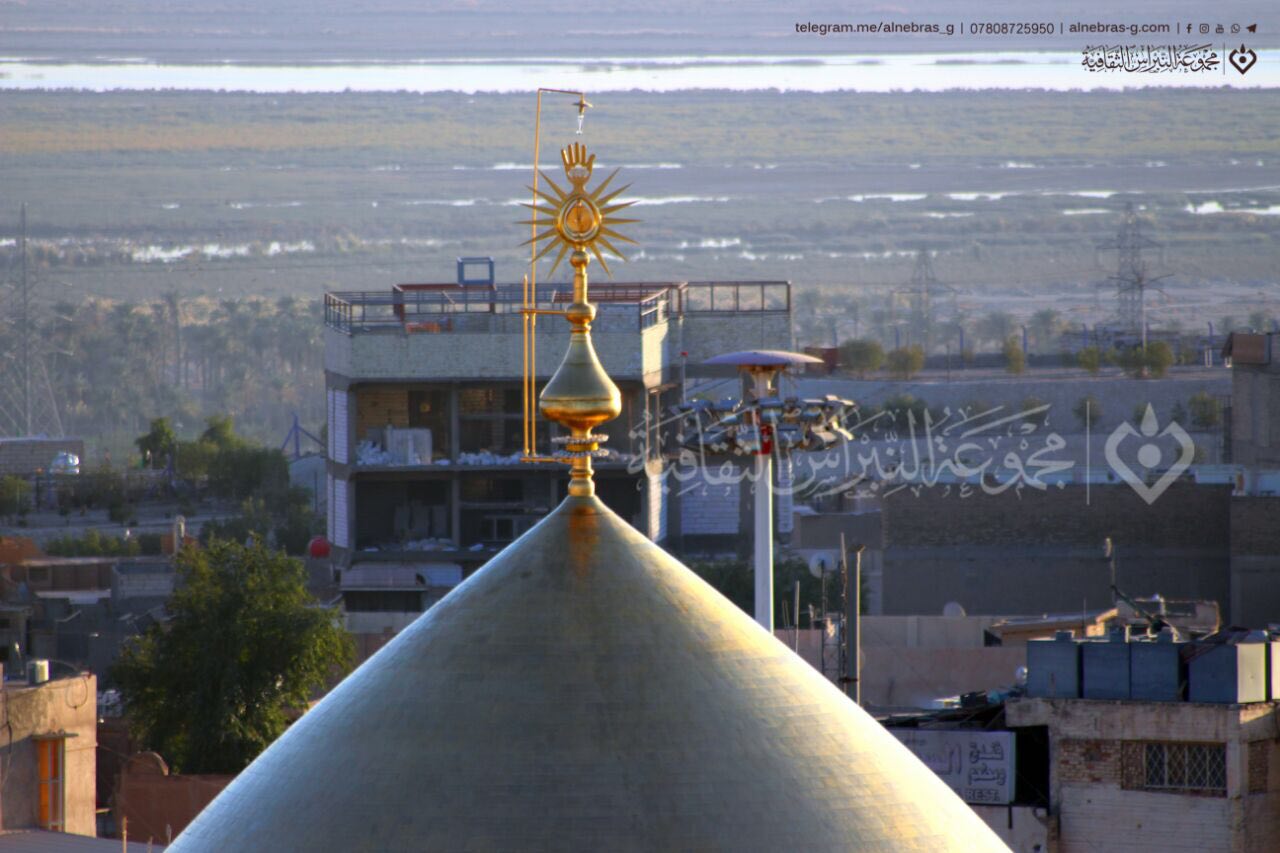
1254 429
49 771
80 610
1169 776
1255 399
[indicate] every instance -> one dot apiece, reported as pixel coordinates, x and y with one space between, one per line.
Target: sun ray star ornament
581 219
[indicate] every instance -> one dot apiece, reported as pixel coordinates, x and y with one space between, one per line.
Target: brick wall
1258 759
705 335
1255 525
380 405
1092 762
1255 560
396 355
1185 515
1255 415
1042 552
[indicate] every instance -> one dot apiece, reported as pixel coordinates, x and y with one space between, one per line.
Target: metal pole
852 625
763 519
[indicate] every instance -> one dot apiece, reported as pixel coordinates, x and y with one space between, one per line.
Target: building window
51 756
1183 768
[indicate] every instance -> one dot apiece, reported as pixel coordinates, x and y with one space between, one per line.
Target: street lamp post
762 427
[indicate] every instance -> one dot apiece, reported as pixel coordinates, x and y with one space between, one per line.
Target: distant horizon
887 71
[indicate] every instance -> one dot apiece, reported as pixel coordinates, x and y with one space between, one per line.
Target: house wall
625 353
1255 415
159 805
1039 552
895 674
67 705
1255 560
714 333
1095 811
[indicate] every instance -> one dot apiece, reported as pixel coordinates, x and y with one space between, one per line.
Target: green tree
1090 358
1206 411
159 443
286 521
996 327
1132 361
862 356
15 496
1015 360
1044 324
246 646
1158 358
220 431
906 362
1088 411
93 544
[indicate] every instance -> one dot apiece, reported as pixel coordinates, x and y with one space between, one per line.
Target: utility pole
851 678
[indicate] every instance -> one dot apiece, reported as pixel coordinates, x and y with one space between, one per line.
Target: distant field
275 195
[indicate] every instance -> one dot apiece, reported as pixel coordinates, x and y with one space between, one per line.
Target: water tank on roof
1230 673
1053 667
1273 670
1157 671
1106 668
37 671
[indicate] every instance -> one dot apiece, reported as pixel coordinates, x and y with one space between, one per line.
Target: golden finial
580 396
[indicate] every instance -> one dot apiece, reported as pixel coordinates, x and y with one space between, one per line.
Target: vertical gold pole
524 365
530 327
529 324
580 315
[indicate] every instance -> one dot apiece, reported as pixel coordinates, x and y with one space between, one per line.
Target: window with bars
1189 768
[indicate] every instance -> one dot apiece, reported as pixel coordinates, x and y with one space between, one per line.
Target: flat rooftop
439 308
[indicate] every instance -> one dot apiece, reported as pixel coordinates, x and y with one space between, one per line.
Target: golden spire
580 396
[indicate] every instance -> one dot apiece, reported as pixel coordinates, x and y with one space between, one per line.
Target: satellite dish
953 609
822 563
1020 676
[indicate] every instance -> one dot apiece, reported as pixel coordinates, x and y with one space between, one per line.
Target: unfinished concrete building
425 418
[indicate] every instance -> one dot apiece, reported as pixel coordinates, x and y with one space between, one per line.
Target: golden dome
586 691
